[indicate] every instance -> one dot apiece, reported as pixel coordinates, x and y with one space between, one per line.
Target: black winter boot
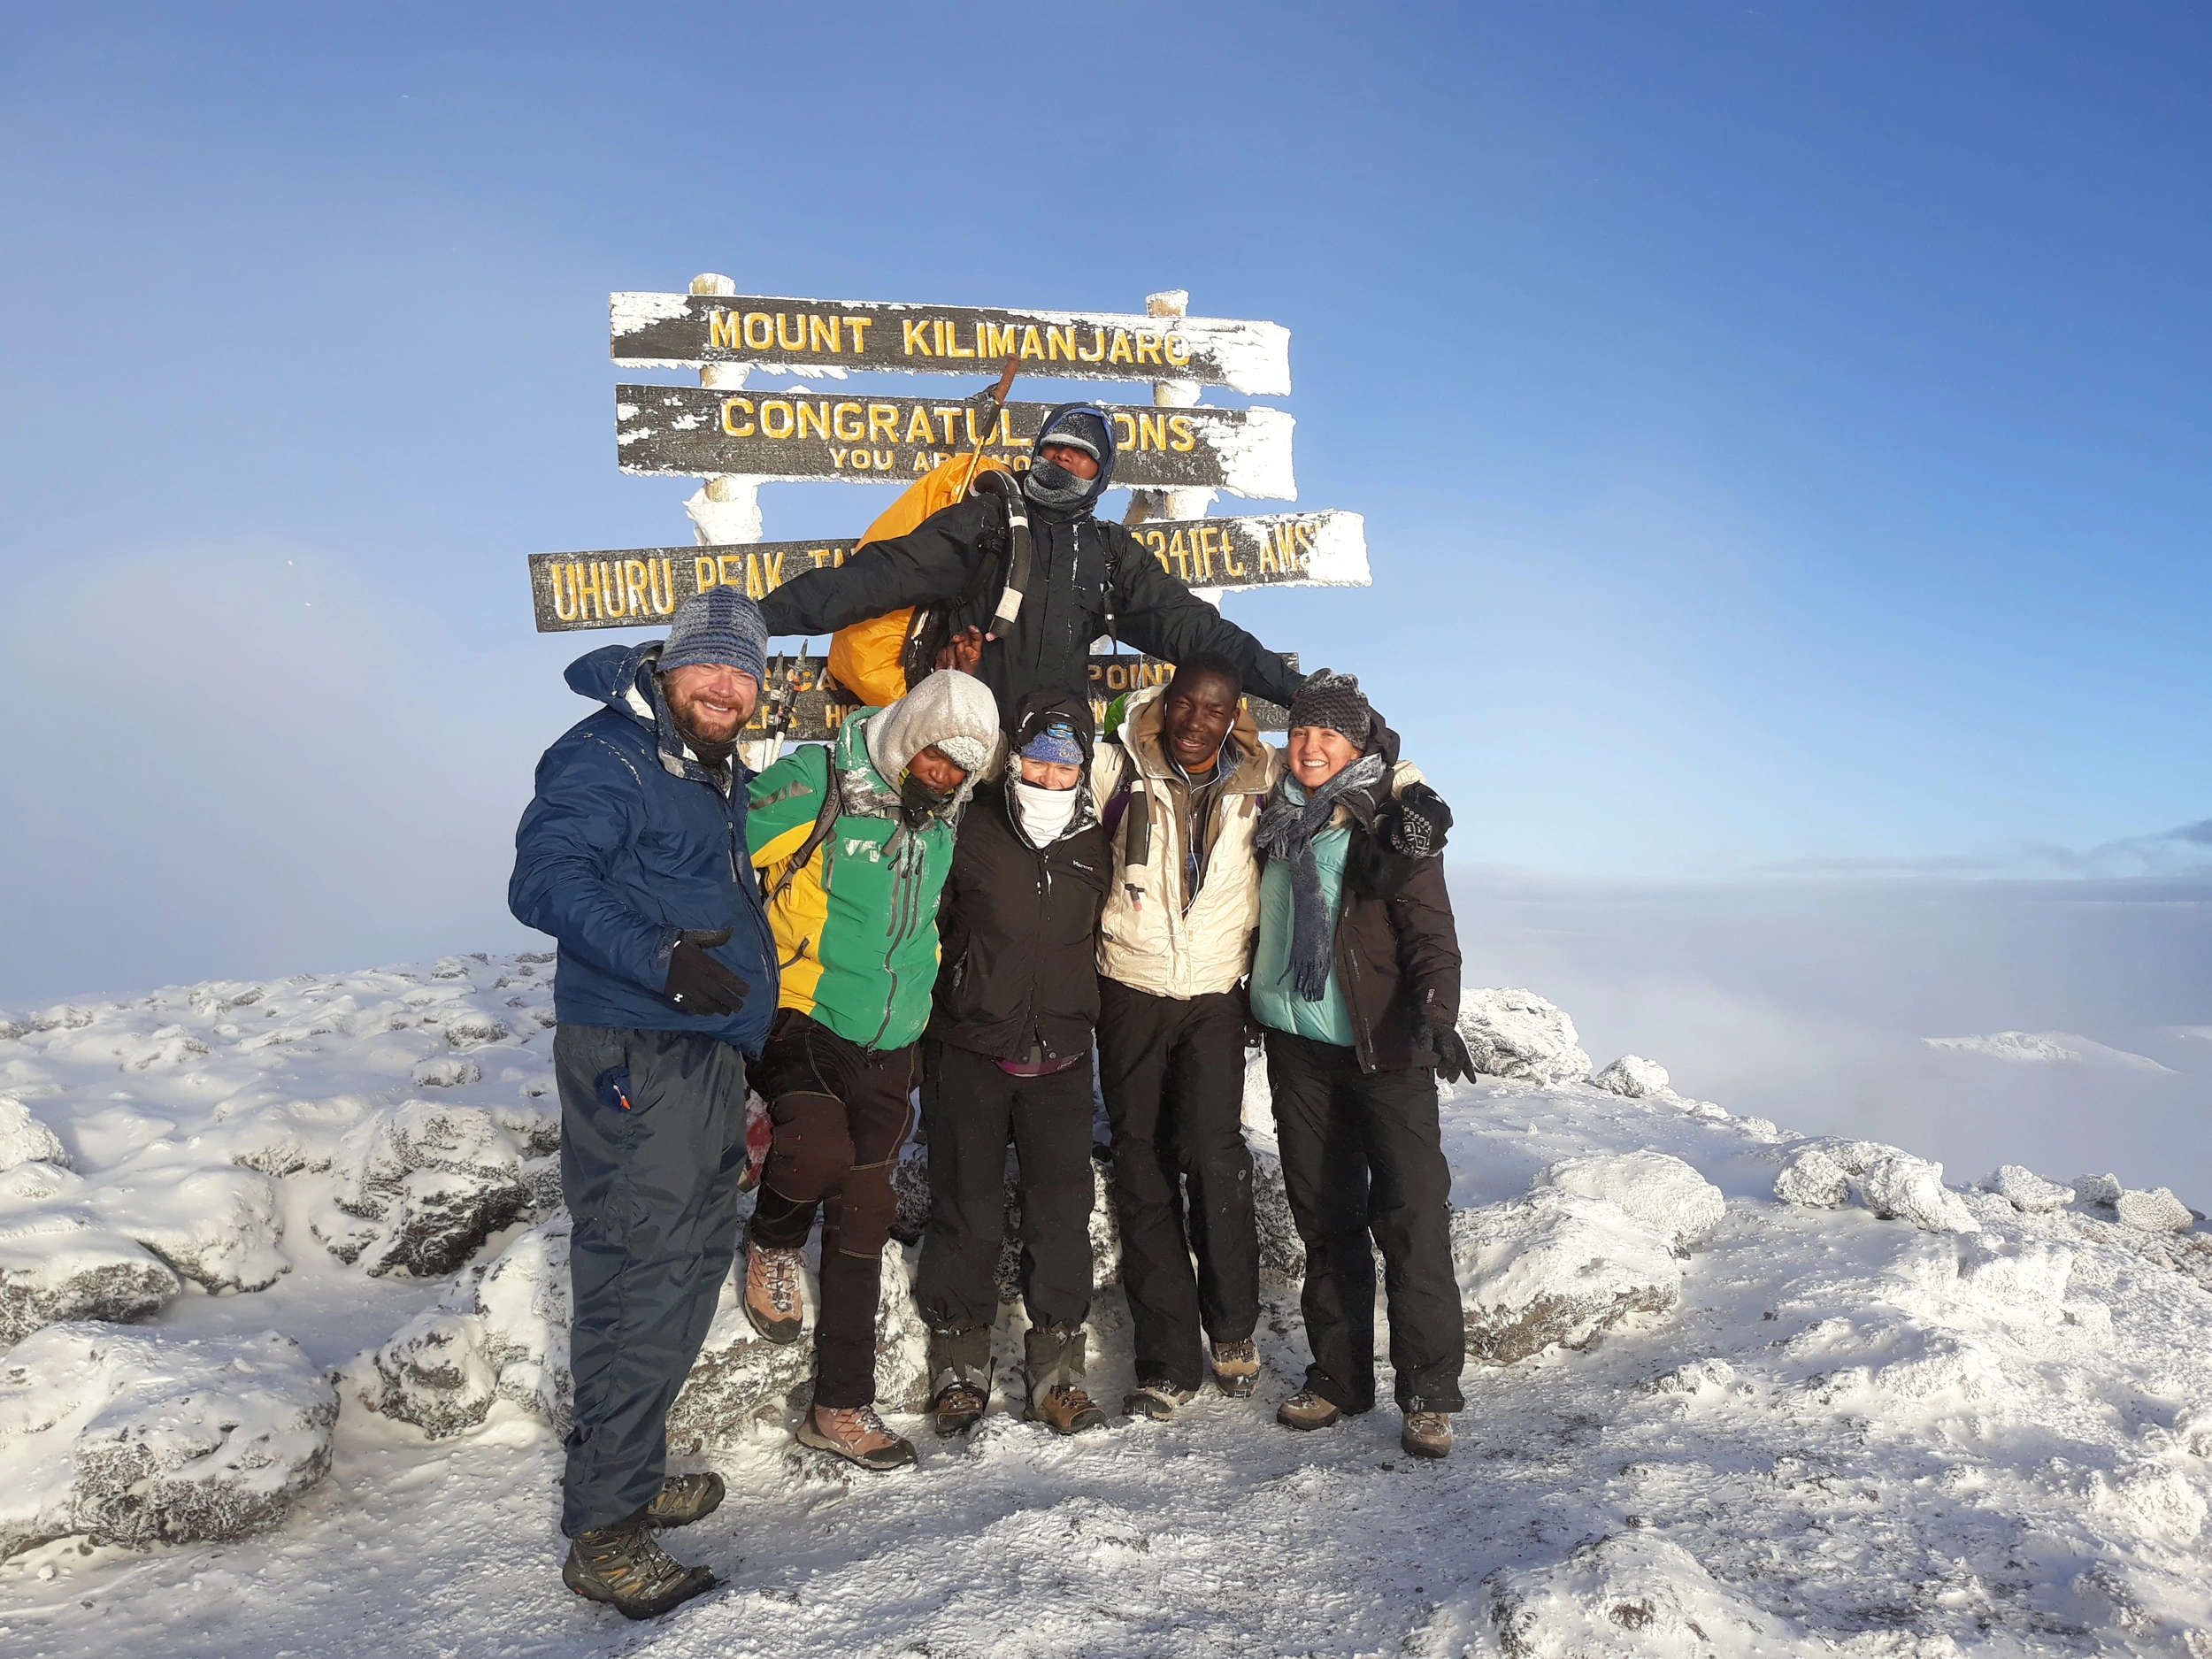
1056 1396
959 1378
684 1499
623 1566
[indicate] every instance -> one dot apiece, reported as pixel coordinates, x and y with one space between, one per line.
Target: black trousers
1362 1156
652 1149
969 1108
1172 1072
842 1113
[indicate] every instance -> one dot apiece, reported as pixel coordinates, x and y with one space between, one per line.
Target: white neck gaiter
1045 813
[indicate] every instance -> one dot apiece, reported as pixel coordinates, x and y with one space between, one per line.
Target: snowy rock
1628 1596
218 1227
1518 1034
1813 1180
1556 1269
133 1437
63 1265
2097 1189
420 1187
1634 1077
1663 1192
2028 1191
1701 1376
449 1071
24 1140
1281 1249
2025 1282
2157 1210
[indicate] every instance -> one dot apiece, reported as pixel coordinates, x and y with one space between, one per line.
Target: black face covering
917 801
1051 485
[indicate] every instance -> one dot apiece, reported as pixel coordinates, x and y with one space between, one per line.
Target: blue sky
1782 431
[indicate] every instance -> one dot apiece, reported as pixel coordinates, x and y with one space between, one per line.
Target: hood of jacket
1143 719
946 707
625 677
1100 485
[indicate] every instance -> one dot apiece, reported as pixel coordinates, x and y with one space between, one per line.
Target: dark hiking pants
1362 1156
970 1106
842 1113
652 1149
1172 1072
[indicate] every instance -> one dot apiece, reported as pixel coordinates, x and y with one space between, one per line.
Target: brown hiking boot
1159 1401
1427 1434
959 1407
1053 1359
1066 1410
684 1499
959 1378
624 1567
1236 1367
857 1436
775 1294
1306 1411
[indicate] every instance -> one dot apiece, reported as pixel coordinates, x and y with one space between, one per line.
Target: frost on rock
64 1266
1894 1184
1556 1269
1104 1232
218 1227
2097 1189
1635 1077
2028 1191
132 1437
1813 1180
1630 1595
1663 1192
2158 1210
24 1140
418 1188
1281 1249
1518 1034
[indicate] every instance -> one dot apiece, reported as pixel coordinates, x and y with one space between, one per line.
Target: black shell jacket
1018 978
1083 571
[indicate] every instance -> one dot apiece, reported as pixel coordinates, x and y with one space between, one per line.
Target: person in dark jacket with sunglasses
1084 571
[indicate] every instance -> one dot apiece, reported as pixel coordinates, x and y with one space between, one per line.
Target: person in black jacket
1009 1049
1083 571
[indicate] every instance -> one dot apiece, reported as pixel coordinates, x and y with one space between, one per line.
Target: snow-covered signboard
700 431
1118 676
632 588
674 330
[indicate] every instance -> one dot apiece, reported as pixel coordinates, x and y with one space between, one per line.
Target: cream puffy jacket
1147 939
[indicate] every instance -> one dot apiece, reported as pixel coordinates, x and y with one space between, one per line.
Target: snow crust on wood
1517 1034
126 1437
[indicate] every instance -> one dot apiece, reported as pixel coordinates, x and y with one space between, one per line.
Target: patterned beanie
1056 745
719 625
1079 429
1335 701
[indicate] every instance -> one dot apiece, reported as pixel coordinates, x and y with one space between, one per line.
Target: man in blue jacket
632 854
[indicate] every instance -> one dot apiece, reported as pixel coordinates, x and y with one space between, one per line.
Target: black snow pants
1362 1155
969 1108
842 1113
652 1149
1172 1072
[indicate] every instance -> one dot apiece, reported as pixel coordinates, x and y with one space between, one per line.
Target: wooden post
1172 504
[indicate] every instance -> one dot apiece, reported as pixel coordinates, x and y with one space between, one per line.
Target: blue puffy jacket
628 842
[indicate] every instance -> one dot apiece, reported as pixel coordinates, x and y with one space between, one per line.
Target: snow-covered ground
1822 1401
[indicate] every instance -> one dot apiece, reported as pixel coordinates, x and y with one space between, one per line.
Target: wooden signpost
1174 454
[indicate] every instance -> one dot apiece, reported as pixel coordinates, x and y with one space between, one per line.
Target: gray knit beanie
1335 701
719 625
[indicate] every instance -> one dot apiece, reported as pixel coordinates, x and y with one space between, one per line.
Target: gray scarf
1286 831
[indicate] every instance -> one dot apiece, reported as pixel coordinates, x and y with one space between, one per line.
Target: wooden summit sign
698 431
674 330
632 588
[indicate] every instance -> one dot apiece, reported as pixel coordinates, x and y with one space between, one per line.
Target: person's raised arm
929 563
1162 618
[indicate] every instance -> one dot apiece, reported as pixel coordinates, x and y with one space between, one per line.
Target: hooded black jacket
1019 924
1084 570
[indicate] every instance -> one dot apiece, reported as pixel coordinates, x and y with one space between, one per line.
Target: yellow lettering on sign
702 576
917 427
766 331
1031 346
948 343
795 338
730 406
756 578
1060 342
1147 347
825 332
837 457
633 577
1125 431
859 325
883 458
1270 557
565 606
1097 353
816 416
660 585
1156 539
1186 431
1229 556
729 569
1152 432
769 411
1179 551
582 588
611 603
1118 352
991 340
883 418
1177 353
914 340
724 329
948 416
837 422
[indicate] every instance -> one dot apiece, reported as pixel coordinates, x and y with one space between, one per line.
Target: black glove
1416 825
697 983
1454 1063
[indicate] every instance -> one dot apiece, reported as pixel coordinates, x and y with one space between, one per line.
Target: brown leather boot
959 1378
775 1292
857 1436
622 1566
1057 1397
1236 1367
1306 1411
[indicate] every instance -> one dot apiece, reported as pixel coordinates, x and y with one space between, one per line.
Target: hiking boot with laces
1159 1401
623 1566
1236 1367
959 1407
1306 1411
1427 1434
959 1376
775 1294
1065 1409
1054 1358
857 1436
684 1499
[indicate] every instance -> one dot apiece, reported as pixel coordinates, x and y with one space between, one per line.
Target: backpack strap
825 821
1019 551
